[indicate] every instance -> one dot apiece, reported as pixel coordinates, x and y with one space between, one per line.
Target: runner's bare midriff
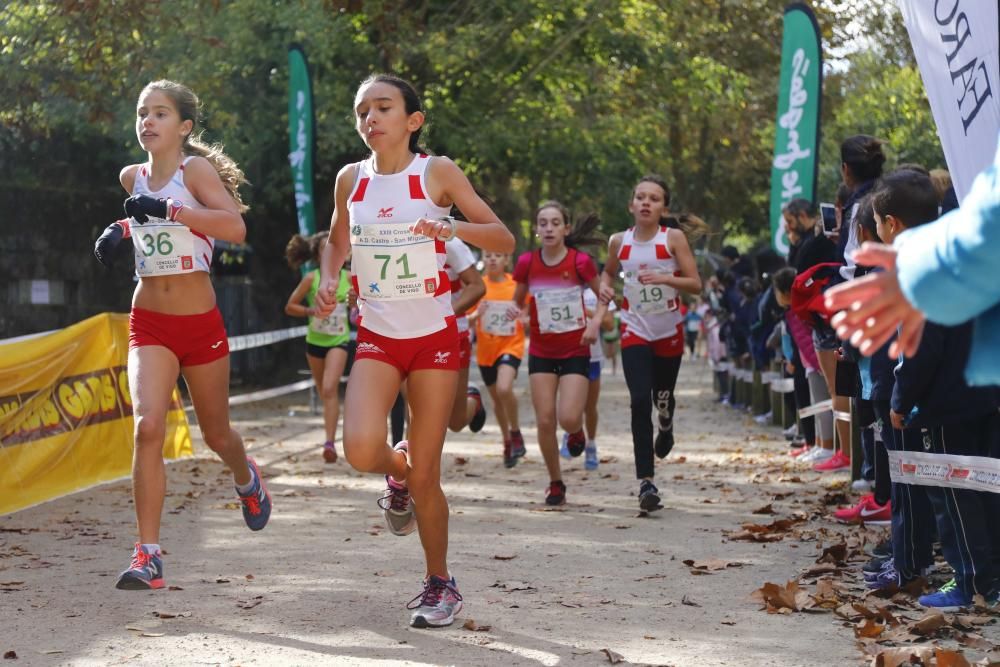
182 294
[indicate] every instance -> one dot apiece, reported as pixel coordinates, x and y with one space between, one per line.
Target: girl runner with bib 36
559 350
182 199
657 262
391 212
327 338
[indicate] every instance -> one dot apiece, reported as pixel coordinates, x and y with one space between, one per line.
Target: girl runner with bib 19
182 199
327 338
391 212
657 262
559 349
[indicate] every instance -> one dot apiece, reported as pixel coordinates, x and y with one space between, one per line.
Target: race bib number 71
392 263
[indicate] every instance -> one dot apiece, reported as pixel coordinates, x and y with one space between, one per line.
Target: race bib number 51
559 310
391 262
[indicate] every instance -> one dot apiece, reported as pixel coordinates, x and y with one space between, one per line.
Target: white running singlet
403 289
459 259
162 247
651 312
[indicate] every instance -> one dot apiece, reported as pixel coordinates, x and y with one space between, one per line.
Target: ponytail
230 173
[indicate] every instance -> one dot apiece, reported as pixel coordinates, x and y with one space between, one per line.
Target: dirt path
325 583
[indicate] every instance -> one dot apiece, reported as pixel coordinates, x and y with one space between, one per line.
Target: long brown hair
189 107
582 233
301 249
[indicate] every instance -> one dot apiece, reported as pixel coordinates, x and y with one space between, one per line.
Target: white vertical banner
957 47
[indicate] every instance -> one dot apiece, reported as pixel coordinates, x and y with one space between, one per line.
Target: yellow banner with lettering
66 413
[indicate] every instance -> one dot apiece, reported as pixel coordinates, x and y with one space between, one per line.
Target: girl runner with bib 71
391 212
658 263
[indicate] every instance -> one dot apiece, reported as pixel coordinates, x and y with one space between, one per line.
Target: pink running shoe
835 463
866 511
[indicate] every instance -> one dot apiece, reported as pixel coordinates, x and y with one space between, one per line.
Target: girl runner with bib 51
391 211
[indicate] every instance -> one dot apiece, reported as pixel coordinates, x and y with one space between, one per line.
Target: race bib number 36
495 318
559 310
393 263
162 250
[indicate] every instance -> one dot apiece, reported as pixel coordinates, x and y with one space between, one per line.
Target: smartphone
829 214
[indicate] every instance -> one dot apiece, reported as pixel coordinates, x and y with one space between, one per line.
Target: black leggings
651 381
397 418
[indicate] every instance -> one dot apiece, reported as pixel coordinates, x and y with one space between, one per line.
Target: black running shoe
555 494
509 460
576 442
664 443
883 548
517 449
875 564
649 496
478 419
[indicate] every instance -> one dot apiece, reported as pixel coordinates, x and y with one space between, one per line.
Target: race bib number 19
650 299
393 263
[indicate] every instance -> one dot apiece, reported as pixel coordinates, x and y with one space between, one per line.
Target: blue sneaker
884 578
951 598
564 450
590 457
145 572
257 502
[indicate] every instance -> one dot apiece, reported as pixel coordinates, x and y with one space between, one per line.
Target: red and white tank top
650 312
459 258
162 247
557 312
403 289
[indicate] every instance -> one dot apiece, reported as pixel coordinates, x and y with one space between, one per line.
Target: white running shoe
437 605
396 504
862 486
819 455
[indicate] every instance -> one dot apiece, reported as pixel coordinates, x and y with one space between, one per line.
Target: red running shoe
866 511
799 451
839 461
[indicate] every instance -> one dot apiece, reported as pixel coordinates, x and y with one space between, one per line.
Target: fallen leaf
836 554
475 627
946 658
232 506
10 655
152 634
689 602
174 588
930 623
713 564
504 557
894 657
869 629
613 658
776 598
251 603
461 460
766 509
513 586
249 577
172 614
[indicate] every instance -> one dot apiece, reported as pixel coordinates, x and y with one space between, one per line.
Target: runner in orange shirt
499 349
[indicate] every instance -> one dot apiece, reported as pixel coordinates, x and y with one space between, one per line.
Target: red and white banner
974 473
957 46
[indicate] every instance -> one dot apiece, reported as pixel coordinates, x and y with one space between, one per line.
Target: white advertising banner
957 47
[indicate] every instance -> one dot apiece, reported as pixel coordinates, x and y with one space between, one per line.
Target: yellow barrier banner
66 413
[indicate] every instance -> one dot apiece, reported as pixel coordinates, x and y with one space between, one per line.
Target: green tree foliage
572 99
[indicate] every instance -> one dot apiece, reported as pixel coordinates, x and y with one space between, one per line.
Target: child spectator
939 412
